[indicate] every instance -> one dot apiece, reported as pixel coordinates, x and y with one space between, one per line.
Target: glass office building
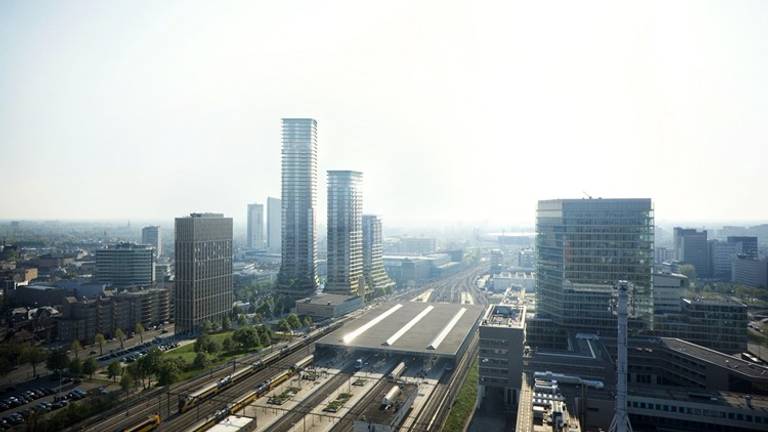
583 247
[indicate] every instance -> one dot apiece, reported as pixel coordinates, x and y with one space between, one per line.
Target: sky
454 111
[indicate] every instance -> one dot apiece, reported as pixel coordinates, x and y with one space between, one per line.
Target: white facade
255 231
274 224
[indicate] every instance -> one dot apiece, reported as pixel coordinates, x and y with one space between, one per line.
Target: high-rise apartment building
298 267
203 290
125 264
274 224
150 235
691 248
376 277
255 229
583 247
345 233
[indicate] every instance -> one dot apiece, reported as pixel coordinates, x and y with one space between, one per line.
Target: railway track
204 409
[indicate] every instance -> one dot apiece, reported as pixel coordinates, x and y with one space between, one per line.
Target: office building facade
203 283
298 268
721 255
746 245
691 248
345 233
750 272
151 235
125 264
719 324
583 247
375 275
274 224
255 228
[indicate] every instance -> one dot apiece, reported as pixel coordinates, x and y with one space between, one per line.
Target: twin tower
355 263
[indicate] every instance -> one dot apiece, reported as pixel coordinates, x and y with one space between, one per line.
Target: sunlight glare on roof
349 337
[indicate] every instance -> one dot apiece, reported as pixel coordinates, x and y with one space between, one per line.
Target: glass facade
583 247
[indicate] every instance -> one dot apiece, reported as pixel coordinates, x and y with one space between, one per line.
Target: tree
75 366
688 270
246 337
76 347
227 344
114 370
120 335
226 324
100 341
284 326
57 361
169 372
90 366
293 321
140 330
201 344
212 347
128 382
201 361
6 366
241 321
34 356
206 327
308 321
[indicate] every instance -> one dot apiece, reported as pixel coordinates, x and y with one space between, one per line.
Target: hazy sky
454 111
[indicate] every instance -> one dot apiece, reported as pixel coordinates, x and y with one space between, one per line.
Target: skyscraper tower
345 233
255 230
150 235
298 268
203 270
274 224
583 247
376 278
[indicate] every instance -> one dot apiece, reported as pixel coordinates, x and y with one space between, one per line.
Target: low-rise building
668 290
325 306
720 324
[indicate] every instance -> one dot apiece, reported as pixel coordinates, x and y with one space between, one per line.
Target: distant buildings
583 247
150 235
255 230
690 247
203 284
721 255
274 224
298 268
345 233
526 258
746 245
375 275
750 272
125 264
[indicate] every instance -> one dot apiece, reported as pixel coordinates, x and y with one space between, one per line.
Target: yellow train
151 423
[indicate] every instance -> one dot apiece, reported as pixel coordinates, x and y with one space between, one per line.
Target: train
249 397
149 424
187 401
397 372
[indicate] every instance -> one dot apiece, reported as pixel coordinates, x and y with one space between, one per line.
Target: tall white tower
620 421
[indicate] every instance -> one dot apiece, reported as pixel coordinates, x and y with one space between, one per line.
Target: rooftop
327 299
408 328
507 315
714 357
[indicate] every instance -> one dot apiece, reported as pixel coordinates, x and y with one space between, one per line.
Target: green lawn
464 404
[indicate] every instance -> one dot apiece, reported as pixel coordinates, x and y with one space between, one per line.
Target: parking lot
17 406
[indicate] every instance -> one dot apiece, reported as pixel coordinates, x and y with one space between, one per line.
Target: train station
428 330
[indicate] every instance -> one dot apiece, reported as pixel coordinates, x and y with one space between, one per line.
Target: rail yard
397 363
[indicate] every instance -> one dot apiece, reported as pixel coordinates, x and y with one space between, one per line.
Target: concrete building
750 272
522 281
691 248
373 260
345 234
417 245
83 319
583 247
298 268
324 306
203 283
497 261
150 235
502 341
668 290
719 324
526 258
125 264
747 245
255 229
661 254
274 224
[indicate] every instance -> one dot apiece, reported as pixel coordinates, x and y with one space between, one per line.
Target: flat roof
326 299
408 328
504 315
715 357
231 424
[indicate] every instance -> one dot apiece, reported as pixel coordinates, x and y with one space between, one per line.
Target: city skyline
123 98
